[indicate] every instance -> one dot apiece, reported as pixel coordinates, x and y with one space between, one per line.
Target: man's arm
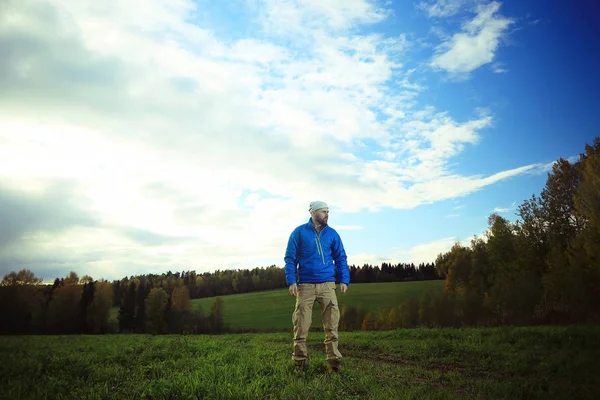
291 258
341 260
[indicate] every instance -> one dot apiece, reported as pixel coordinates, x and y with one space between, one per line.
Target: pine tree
127 309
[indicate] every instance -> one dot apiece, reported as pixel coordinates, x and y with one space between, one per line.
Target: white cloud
503 210
426 252
186 146
293 16
476 44
498 68
442 8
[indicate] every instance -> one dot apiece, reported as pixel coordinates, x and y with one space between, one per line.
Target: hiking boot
334 366
301 367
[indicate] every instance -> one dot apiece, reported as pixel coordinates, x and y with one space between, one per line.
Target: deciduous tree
156 304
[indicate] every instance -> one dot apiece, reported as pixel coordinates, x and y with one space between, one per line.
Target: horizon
192 136
417 266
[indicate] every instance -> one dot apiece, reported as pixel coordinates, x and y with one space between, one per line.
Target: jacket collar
311 227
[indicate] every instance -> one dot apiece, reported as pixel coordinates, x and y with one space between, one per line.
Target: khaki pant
324 293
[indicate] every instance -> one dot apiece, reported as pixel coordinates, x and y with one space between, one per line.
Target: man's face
321 215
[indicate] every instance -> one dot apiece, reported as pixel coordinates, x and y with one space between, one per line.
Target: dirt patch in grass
472 371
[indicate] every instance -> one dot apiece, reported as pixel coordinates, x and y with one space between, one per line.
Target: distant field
272 310
484 363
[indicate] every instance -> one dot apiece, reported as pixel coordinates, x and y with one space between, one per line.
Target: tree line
150 303
226 282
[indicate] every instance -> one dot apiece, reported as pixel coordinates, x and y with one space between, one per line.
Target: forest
157 303
543 268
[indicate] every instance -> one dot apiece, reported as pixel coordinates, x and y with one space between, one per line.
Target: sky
192 135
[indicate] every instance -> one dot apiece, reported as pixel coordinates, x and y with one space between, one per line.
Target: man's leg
302 319
330 314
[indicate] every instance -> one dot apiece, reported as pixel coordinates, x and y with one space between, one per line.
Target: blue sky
193 135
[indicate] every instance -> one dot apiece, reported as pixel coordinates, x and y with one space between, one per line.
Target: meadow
272 310
482 363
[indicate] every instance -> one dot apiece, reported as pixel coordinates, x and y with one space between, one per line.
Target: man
316 253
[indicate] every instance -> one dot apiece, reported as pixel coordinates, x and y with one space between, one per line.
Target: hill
272 310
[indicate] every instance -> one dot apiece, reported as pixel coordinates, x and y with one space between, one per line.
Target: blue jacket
315 254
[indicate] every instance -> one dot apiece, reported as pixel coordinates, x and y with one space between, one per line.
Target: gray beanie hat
315 205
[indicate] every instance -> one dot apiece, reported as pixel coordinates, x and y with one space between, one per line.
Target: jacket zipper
319 248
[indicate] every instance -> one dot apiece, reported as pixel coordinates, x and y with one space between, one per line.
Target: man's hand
343 287
294 289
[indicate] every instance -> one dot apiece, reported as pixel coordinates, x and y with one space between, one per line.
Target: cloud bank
138 139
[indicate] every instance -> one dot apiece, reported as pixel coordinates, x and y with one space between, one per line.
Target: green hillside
272 310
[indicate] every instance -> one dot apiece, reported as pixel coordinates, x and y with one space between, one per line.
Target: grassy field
483 363
272 310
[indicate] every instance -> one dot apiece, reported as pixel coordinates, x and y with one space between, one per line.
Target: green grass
264 311
481 363
272 310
